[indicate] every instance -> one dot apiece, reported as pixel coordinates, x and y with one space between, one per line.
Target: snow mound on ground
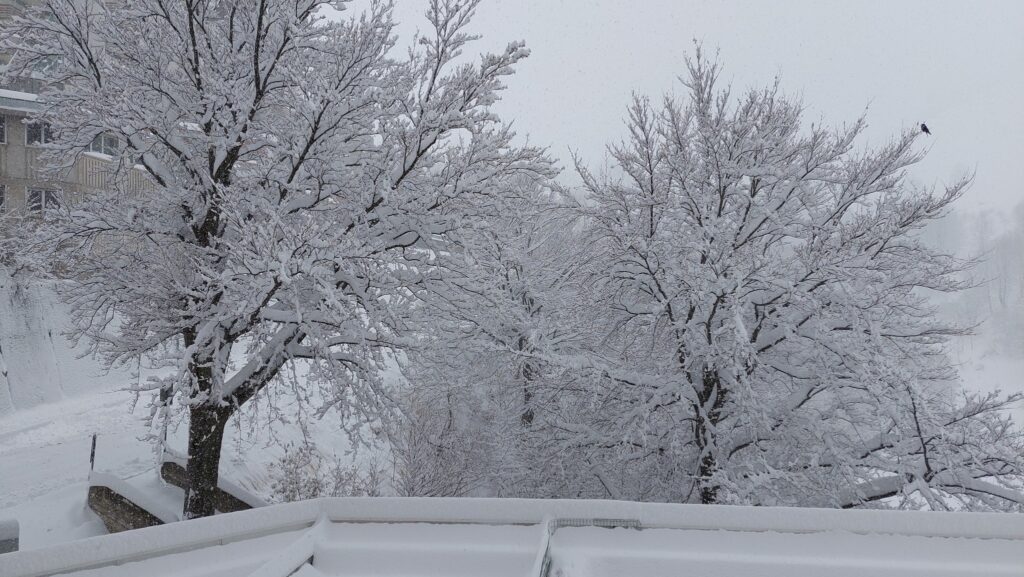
38 364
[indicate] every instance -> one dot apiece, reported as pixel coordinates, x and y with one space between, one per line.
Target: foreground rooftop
496 538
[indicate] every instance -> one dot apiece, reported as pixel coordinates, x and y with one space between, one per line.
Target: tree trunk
708 490
707 416
205 434
528 373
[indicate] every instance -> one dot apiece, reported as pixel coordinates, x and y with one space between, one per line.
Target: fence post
92 454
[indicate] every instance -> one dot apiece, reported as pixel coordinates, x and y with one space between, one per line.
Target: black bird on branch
924 129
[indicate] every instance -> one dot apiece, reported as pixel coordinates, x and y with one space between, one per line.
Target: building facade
24 184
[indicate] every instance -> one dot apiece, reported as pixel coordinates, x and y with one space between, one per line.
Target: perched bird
924 129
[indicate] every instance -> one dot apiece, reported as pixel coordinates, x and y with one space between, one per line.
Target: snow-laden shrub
303 472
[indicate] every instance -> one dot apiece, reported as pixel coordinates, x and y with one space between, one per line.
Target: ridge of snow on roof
15 95
496 537
14 101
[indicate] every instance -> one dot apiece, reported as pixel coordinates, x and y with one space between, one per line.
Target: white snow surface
38 364
52 399
476 537
4 93
44 462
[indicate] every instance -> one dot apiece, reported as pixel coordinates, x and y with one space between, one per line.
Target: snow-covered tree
476 371
768 339
300 182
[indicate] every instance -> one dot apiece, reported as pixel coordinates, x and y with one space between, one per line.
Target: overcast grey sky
959 66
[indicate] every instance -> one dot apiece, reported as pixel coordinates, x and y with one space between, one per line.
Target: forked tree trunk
205 435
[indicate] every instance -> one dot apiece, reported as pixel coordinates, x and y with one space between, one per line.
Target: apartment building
24 184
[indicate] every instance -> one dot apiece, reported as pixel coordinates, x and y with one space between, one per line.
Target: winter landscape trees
301 180
757 325
764 284
736 311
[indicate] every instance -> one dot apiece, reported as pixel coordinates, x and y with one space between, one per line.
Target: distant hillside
37 363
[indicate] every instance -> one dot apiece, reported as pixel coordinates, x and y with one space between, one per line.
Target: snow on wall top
393 536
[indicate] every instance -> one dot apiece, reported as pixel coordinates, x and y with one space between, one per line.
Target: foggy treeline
994 304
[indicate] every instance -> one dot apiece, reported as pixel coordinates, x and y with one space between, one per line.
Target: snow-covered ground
47 447
52 399
44 460
45 455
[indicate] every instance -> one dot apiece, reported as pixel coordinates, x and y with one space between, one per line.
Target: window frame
46 133
47 200
108 144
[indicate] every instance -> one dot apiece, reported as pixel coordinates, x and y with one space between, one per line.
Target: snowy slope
37 363
44 462
44 459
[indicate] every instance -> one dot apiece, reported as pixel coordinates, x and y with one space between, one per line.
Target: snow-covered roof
12 100
498 537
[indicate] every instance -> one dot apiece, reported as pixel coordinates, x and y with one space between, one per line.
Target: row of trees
744 320
733 313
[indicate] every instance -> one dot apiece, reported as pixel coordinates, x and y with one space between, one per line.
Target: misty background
957 66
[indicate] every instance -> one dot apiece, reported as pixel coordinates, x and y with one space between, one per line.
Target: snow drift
38 364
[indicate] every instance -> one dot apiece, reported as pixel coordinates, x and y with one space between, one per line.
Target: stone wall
117 512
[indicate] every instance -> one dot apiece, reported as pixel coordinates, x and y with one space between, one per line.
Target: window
39 198
104 144
3 129
37 133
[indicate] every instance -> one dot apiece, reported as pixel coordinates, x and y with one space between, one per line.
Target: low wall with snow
122 507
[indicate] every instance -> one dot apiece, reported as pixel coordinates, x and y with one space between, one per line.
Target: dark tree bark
708 413
528 375
205 434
